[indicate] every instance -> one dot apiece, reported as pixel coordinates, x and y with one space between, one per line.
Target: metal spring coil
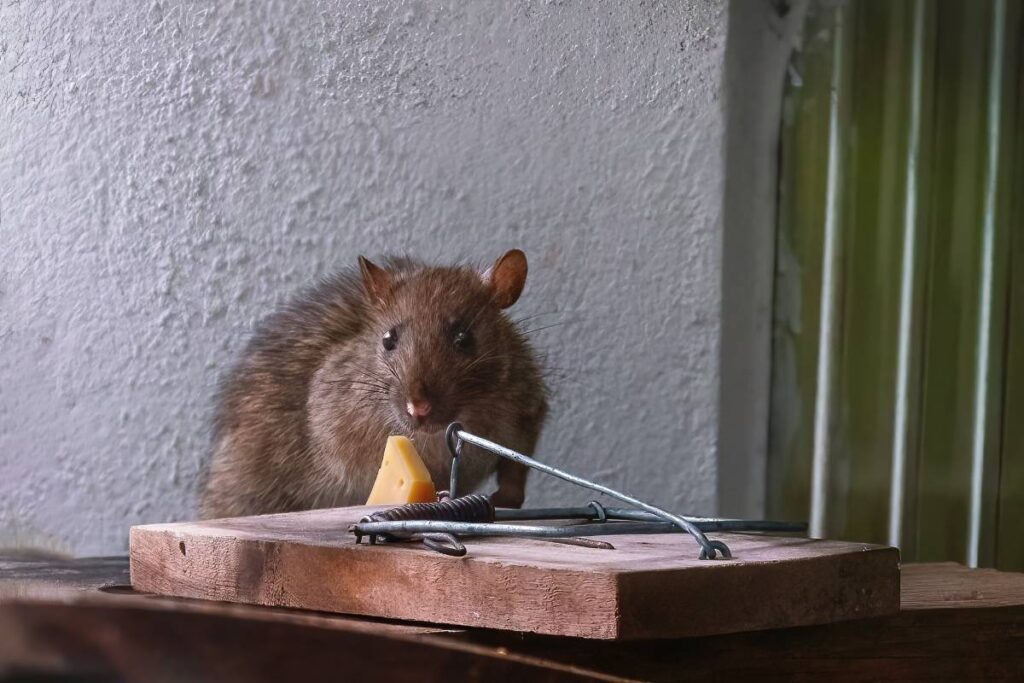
472 508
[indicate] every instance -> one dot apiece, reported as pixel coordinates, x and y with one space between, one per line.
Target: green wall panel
857 68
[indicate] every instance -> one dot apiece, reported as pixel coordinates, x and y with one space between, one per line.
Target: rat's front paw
503 498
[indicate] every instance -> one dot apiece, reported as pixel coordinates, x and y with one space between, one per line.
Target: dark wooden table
80 620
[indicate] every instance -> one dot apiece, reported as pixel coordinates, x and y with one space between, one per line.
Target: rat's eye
463 340
390 340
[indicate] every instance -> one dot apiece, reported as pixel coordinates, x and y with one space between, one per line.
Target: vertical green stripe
829 284
981 382
906 315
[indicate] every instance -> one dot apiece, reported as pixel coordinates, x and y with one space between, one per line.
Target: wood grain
48 578
147 641
106 581
948 585
956 624
650 586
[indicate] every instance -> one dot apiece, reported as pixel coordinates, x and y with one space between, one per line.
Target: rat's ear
506 278
376 281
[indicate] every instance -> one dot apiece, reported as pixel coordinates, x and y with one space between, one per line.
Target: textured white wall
168 173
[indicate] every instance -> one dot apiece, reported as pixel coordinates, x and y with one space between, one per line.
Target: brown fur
302 419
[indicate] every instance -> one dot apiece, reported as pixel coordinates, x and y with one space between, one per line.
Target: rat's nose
417 409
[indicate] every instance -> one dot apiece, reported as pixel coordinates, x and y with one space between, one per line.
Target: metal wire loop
720 547
451 437
446 544
602 514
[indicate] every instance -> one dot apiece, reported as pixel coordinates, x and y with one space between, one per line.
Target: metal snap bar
455 435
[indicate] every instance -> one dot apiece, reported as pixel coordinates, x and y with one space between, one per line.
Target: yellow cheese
402 478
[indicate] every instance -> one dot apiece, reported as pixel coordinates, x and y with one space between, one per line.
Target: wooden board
955 624
650 586
146 641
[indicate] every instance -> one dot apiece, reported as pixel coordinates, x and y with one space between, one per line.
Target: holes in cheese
402 478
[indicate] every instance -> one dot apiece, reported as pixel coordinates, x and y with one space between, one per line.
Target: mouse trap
589 571
438 525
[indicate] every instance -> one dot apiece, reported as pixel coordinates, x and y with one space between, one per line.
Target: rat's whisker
519 321
534 330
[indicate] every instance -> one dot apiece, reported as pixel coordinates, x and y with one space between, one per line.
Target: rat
398 348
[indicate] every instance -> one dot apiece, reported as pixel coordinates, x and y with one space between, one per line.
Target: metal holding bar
455 435
611 528
703 523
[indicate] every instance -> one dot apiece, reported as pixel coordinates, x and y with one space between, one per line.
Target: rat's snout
418 409
424 409
419 404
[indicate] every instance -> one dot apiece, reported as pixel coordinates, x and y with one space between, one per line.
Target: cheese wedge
402 478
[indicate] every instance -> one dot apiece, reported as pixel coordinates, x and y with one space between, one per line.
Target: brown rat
401 349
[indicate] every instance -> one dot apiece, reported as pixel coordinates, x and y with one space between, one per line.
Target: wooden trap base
650 586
